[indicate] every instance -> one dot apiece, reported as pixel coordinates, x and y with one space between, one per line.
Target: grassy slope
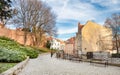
6 66
11 51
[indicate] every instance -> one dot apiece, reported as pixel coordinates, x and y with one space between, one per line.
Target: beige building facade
96 37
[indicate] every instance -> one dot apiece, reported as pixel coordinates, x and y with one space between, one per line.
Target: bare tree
104 43
114 23
37 17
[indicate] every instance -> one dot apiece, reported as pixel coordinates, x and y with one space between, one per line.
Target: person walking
51 53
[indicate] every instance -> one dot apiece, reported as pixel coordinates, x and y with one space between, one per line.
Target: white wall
55 44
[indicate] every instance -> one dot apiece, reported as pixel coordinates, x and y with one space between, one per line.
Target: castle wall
17 35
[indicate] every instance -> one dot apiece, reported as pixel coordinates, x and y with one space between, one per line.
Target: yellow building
96 38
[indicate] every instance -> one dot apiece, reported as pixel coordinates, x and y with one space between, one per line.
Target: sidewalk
45 65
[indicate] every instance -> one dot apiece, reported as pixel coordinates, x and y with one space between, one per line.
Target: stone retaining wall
106 56
101 55
16 69
114 60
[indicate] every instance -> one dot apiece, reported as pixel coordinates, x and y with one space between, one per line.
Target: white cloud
79 11
75 9
67 31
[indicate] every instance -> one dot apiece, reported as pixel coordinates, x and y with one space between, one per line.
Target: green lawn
6 66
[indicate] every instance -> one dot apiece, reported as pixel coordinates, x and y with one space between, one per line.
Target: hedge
116 55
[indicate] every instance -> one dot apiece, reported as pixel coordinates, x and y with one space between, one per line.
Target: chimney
79 27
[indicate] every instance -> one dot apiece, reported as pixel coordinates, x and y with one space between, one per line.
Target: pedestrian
51 53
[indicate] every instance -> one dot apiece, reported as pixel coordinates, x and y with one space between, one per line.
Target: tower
78 40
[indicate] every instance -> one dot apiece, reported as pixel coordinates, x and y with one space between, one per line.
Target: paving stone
45 65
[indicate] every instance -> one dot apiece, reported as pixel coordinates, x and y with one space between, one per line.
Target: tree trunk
116 41
25 37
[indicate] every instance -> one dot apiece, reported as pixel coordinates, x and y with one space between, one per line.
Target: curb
16 69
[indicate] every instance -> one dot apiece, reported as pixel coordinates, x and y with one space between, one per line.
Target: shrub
30 52
116 55
11 56
6 38
11 51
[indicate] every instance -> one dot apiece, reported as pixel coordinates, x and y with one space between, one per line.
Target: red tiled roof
80 26
71 40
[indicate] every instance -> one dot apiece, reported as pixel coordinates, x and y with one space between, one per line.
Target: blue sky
70 12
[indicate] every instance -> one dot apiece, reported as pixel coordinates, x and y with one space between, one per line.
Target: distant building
69 49
62 45
54 44
57 44
70 46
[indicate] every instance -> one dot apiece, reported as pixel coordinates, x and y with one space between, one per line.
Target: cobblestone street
45 65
